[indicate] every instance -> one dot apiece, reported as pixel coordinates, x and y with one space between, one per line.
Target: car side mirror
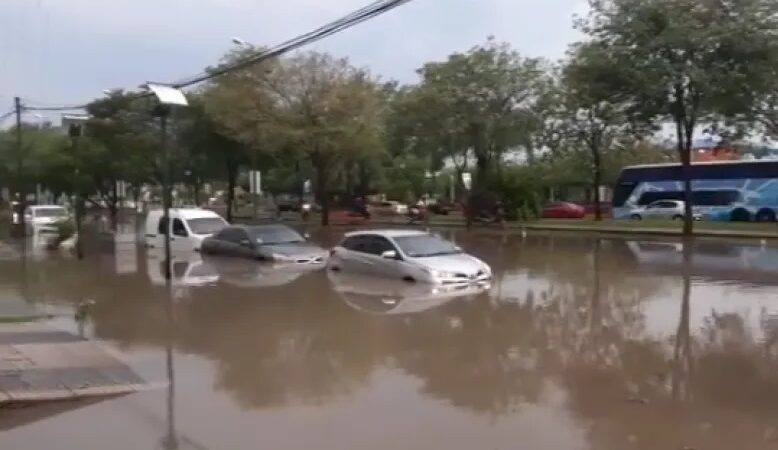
389 254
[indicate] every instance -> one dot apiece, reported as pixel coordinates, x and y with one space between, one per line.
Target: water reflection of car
717 260
275 242
563 210
243 273
43 218
392 297
187 269
409 255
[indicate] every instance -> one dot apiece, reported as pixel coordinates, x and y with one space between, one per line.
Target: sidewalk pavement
39 363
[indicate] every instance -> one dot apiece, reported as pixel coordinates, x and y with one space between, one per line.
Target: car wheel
636 217
740 215
765 215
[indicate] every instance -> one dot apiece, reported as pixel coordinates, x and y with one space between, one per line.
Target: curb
521 227
24 396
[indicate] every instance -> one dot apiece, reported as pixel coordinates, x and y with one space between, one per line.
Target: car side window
357 244
380 245
162 227
232 235
179 229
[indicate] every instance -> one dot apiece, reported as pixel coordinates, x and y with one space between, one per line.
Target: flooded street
580 343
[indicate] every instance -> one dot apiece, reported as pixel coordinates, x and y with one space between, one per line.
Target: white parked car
409 255
188 228
44 217
662 209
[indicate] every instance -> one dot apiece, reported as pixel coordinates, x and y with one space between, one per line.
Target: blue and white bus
722 190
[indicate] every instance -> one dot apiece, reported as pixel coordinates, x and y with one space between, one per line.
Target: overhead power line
7 115
374 9
354 18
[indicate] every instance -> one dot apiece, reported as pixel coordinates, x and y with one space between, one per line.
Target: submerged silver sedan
275 242
409 255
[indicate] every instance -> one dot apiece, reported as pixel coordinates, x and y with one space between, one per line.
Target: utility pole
75 135
162 111
21 204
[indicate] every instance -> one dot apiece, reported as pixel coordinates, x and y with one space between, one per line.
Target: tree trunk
684 153
232 179
322 188
597 181
684 128
113 206
363 184
196 191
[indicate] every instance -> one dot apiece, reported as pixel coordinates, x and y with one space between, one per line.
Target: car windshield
421 246
206 225
275 235
50 212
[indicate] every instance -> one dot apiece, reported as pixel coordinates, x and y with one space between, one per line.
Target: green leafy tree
212 151
119 143
327 110
596 119
480 97
685 61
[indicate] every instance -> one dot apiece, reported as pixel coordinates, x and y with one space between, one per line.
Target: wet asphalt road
579 344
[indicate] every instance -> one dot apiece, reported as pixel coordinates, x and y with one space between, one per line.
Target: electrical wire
352 19
7 115
374 9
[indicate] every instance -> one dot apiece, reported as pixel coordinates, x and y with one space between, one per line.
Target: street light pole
162 111
21 206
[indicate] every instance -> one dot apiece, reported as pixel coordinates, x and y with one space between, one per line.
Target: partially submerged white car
44 218
409 255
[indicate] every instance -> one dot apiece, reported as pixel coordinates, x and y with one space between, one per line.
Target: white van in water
187 228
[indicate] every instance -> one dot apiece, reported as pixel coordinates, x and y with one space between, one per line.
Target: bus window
724 197
650 197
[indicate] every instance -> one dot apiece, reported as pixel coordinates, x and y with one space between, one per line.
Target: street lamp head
239 41
167 95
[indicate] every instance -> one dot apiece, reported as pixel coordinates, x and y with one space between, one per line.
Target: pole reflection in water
682 352
170 441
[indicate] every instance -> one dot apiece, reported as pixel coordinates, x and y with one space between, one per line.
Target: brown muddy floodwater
580 343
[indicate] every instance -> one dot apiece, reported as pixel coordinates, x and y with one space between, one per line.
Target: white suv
662 209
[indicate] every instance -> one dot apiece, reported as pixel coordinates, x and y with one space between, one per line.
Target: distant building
709 149
73 119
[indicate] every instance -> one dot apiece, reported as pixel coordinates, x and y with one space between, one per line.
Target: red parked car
564 210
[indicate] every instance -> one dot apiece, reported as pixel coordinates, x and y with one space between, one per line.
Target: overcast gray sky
67 51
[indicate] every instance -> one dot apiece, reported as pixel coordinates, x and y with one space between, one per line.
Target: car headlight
443 274
282 258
